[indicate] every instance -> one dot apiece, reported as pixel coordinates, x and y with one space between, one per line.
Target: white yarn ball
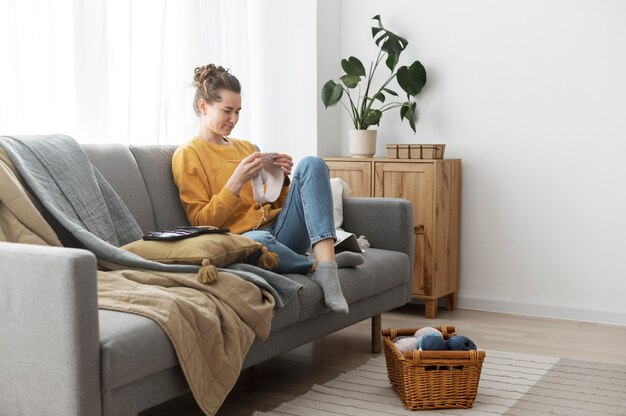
427 330
407 344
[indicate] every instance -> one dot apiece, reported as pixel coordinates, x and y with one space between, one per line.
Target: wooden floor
289 375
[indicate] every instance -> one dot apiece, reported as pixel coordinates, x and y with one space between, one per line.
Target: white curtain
115 70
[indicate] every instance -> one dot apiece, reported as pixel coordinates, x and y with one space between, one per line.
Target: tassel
207 273
267 260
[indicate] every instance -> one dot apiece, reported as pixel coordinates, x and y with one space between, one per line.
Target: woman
213 173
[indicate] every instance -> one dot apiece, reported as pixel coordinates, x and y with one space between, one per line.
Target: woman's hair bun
207 73
209 80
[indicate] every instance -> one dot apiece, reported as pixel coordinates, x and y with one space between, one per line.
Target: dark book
184 232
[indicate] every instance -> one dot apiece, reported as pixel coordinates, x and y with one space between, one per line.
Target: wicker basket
432 379
415 151
427 151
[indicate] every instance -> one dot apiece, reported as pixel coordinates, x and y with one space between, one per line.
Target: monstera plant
365 102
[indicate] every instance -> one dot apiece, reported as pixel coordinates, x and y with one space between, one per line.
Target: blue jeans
305 218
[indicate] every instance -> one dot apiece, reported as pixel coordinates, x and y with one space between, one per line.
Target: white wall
532 96
328 65
283 68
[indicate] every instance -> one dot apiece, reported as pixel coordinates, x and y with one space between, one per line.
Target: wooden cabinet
434 188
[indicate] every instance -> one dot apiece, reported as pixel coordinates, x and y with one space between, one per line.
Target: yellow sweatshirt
201 170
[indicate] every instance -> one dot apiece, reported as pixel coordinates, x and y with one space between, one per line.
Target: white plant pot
362 142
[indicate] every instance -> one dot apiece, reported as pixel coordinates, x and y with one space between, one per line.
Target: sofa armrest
387 223
49 338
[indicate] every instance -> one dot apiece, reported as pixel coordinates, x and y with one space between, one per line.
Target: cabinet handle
418 229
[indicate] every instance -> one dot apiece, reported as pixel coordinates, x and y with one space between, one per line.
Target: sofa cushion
383 270
118 166
155 163
132 347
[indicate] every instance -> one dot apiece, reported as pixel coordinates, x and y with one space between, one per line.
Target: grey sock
349 259
326 276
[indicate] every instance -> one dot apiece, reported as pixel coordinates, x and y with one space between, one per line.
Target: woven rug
510 384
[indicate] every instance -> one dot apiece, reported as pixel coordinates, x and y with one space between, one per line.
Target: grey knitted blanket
60 175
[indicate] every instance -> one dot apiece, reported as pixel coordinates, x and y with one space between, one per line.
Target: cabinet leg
376 334
431 309
451 301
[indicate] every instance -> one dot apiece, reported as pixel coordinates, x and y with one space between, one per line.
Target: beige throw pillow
208 250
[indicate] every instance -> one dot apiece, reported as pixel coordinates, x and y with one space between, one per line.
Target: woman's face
220 118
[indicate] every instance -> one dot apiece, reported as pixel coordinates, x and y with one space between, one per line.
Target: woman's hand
247 169
284 162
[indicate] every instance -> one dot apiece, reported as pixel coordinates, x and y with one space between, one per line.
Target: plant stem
354 111
379 90
364 106
389 106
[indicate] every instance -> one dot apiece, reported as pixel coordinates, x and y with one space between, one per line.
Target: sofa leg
376 334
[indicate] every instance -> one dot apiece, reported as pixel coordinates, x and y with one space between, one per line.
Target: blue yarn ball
460 343
432 343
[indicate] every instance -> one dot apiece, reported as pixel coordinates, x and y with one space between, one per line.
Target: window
114 70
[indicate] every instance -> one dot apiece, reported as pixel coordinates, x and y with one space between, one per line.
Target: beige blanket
20 220
211 326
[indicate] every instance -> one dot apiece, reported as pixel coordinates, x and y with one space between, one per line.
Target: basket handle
394 332
471 357
447 331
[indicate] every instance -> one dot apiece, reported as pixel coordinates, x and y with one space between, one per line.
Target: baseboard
543 311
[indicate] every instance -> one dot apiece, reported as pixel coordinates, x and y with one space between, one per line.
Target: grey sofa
60 355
